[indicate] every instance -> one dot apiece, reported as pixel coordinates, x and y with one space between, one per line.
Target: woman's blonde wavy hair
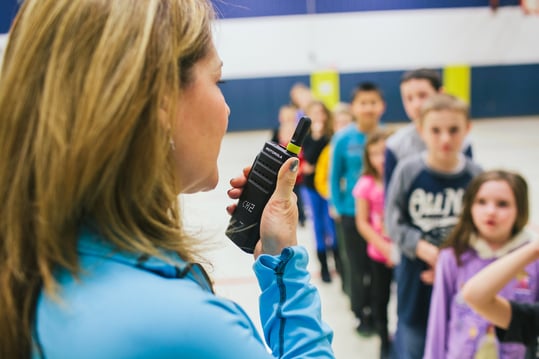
81 87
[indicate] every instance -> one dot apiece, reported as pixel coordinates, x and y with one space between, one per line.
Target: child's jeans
409 341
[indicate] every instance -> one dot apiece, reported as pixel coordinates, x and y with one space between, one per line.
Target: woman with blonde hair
109 110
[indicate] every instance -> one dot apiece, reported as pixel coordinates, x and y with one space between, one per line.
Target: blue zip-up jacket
124 307
346 166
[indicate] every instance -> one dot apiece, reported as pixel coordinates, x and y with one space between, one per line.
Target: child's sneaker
365 328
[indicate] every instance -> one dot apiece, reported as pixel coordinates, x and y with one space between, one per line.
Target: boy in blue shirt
367 106
423 203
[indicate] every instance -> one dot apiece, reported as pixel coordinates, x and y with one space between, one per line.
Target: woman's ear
164 114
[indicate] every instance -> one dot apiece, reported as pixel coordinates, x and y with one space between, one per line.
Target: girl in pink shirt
369 195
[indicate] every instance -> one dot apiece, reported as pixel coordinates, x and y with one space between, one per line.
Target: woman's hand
237 184
280 216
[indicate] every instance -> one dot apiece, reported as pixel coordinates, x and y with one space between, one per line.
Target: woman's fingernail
294 165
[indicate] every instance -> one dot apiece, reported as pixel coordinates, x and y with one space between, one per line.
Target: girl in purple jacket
491 224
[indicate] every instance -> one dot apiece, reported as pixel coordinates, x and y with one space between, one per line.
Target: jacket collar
169 265
485 252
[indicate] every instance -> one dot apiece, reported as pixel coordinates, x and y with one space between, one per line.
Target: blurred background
486 49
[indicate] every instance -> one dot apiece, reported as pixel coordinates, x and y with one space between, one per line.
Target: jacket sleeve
116 311
203 325
398 226
524 325
440 304
389 166
290 307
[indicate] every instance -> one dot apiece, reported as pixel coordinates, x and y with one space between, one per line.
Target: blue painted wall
253 8
496 91
256 8
505 90
8 9
332 6
254 103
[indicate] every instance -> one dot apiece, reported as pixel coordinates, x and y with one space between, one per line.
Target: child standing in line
495 211
287 124
282 135
416 87
514 321
422 206
301 96
369 195
314 143
342 118
367 105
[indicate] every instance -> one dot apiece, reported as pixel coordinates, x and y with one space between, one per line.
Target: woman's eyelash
220 82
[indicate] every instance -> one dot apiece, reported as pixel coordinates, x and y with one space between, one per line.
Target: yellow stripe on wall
457 81
325 87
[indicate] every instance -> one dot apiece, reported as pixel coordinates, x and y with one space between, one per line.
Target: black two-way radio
244 226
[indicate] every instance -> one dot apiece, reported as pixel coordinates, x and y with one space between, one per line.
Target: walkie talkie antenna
299 135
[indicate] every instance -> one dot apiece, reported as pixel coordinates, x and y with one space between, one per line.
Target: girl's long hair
373 138
328 124
459 238
81 87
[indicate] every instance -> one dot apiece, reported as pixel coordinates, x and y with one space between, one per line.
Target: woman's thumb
286 179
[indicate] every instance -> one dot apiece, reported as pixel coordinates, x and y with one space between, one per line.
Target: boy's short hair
432 76
367 87
441 102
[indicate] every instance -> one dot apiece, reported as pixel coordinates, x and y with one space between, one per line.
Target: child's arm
400 230
480 292
390 163
335 174
427 251
368 232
